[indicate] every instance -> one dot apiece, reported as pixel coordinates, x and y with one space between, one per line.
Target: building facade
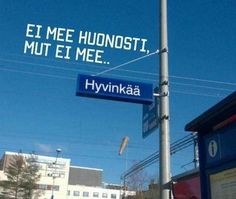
63 181
87 192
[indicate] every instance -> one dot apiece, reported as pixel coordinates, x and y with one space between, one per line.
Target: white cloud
45 148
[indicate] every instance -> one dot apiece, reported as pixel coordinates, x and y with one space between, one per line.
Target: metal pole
54 173
123 146
196 159
164 170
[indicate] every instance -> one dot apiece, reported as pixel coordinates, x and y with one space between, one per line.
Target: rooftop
215 115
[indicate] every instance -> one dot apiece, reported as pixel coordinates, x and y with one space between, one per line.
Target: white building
69 182
86 192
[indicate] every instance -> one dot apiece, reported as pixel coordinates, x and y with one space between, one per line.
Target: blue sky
40 112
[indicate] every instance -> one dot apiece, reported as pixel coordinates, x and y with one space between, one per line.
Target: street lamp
123 145
54 172
58 151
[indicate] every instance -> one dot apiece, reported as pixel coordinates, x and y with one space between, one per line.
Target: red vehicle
187 185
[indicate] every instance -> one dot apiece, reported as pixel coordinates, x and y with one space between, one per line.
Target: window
86 194
62 174
49 187
76 193
58 174
68 192
42 186
56 188
56 166
104 195
113 196
95 194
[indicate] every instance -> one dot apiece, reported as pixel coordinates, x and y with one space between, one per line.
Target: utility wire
204 80
117 68
73 141
41 65
197 94
36 73
126 63
199 86
74 78
174 148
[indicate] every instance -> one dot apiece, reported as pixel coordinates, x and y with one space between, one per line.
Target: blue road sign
114 89
150 117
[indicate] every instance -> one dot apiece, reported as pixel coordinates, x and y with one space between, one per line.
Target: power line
74 78
199 86
174 148
126 63
81 140
37 73
198 94
38 152
204 80
117 69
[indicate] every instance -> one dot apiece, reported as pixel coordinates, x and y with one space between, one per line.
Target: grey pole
123 146
54 172
196 158
164 170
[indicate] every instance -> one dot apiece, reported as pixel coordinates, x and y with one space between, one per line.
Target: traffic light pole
164 170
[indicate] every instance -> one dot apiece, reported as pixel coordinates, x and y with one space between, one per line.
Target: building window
48 187
56 188
62 174
104 195
113 196
68 192
42 186
76 193
85 194
95 194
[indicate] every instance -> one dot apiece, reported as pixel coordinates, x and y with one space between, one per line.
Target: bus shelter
216 130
